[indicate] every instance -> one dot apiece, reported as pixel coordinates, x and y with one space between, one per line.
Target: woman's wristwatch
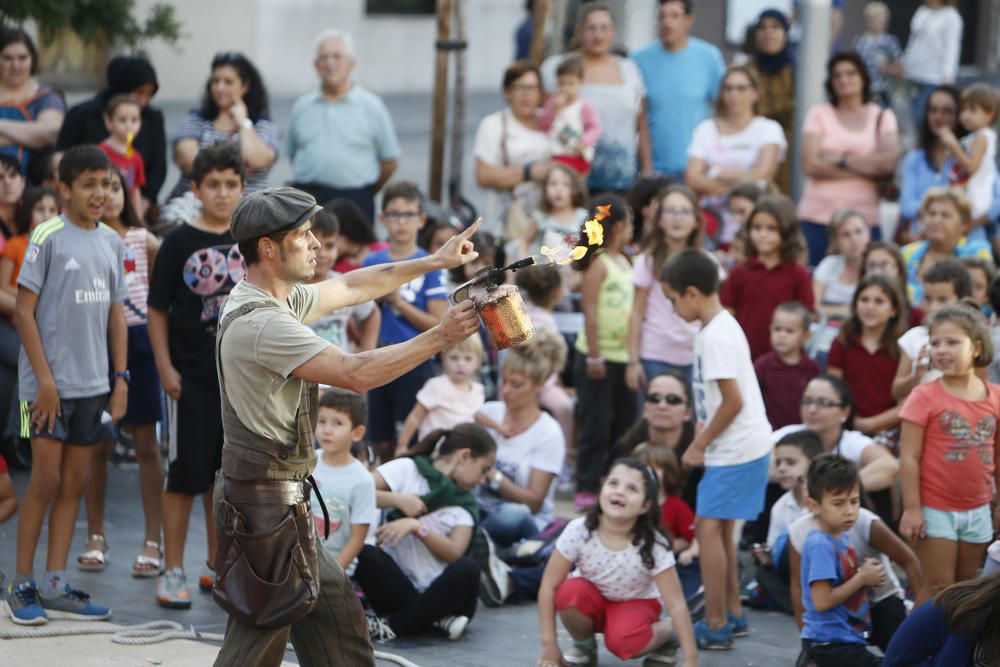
842 162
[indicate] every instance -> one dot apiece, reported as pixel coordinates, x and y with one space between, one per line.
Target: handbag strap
504 156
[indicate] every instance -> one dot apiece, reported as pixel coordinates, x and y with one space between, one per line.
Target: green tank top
614 305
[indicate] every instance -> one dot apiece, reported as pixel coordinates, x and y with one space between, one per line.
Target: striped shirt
136 276
195 127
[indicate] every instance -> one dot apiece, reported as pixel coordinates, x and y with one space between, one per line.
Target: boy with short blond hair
72 275
343 483
734 443
784 372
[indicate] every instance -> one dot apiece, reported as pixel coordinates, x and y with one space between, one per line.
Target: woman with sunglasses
666 421
827 408
234 106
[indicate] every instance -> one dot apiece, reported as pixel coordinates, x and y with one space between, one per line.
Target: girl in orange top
37 206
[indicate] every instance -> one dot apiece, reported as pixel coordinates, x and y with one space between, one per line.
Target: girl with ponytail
418 578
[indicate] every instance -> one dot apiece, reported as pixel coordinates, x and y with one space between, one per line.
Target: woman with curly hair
234 105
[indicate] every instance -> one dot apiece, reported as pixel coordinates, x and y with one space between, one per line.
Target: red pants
627 625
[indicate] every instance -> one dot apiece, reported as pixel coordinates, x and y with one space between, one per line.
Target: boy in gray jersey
69 306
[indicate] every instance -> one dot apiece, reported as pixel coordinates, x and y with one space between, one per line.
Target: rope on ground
143 633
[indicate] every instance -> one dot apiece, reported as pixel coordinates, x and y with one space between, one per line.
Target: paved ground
496 637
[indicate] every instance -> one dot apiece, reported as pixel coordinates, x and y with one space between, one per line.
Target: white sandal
148 567
98 556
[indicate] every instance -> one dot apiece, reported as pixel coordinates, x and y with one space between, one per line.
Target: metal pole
538 18
814 50
458 112
440 110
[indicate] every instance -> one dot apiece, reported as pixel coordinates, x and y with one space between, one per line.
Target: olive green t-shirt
258 354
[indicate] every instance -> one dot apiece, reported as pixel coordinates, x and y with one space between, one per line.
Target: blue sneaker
22 605
719 639
741 625
73 605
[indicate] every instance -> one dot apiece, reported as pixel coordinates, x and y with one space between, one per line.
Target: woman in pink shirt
847 145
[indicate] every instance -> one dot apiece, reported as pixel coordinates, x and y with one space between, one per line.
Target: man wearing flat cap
272 577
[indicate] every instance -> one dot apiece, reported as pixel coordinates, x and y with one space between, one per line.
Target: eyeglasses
669 399
676 213
401 215
736 88
808 402
525 88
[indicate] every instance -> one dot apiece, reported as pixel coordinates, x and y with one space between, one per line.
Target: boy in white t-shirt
946 282
734 443
344 483
975 155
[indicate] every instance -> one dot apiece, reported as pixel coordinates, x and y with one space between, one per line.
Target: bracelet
594 361
526 171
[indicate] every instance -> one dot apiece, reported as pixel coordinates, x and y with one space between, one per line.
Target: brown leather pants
334 632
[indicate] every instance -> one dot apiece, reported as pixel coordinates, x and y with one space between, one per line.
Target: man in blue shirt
682 75
341 140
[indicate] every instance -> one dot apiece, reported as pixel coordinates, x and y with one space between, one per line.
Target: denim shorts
973 526
734 492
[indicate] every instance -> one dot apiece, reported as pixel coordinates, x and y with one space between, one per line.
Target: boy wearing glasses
734 443
784 372
410 310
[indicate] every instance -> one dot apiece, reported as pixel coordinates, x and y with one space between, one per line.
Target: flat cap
270 211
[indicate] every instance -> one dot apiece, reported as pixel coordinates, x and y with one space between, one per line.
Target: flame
595 233
564 253
129 138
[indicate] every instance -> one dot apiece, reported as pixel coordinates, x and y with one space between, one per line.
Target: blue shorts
734 492
973 526
144 399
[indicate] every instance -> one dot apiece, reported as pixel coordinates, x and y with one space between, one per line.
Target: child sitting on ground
676 516
452 398
624 568
871 538
835 582
784 372
346 486
792 455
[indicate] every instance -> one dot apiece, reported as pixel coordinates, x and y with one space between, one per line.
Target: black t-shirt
194 273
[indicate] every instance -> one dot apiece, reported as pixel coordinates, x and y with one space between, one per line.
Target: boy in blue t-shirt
412 309
835 585
69 317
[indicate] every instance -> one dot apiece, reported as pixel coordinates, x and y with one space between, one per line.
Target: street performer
272 576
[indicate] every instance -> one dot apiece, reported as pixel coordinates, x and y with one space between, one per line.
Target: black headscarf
772 63
126 73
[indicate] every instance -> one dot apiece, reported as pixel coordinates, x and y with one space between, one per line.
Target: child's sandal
95 558
148 567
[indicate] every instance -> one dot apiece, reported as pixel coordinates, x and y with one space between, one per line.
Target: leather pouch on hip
269 578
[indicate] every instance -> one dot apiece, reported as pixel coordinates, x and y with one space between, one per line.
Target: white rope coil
143 633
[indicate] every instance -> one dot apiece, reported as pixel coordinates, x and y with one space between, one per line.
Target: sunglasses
669 399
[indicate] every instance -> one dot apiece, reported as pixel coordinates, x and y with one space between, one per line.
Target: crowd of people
716 369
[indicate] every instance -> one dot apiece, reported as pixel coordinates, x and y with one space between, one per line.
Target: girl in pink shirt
949 448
